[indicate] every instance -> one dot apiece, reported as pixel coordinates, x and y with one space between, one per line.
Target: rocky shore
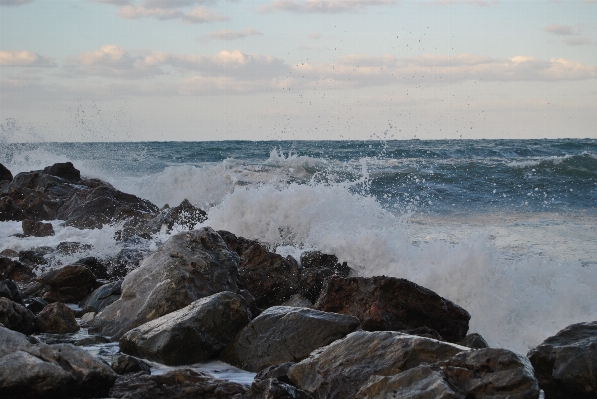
309 328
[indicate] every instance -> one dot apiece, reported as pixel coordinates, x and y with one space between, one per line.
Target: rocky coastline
309 328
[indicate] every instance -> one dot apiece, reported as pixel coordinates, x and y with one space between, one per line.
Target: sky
161 70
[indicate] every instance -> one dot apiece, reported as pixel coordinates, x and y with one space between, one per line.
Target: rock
425 332
298 301
179 384
16 317
57 318
9 253
9 210
36 304
474 341
64 170
189 266
87 318
185 215
102 297
566 363
5 173
70 283
318 260
14 270
95 266
393 304
197 332
49 371
91 340
72 247
124 262
9 289
237 244
31 228
277 371
124 364
311 282
34 257
281 334
92 208
275 389
341 368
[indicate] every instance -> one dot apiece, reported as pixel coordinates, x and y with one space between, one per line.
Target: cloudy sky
93 70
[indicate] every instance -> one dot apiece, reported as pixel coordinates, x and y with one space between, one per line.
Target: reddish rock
57 318
16 317
32 228
14 270
70 283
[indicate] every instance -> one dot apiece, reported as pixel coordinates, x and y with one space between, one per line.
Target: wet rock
93 207
319 260
180 384
237 244
281 334
565 363
127 260
311 282
87 318
70 283
57 318
474 341
124 364
64 170
274 389
34 257
72 247
9 253
95 266
9 210
36 304
185 215
189 266
9 289
16 317
5 173
49 371
393 304
102 297
92 340
197 332
425 332
14 270
277 371
343 367
32 228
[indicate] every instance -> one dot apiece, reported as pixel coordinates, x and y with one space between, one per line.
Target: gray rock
102 297
14 270
9 289
566 364
70 283
16 316
57 318
197 332
189 266
32 228
277 371
49 371
281 334
274 389
340 369
474 341
64 170
124 364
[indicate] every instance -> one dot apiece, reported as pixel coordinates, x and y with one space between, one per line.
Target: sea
507 229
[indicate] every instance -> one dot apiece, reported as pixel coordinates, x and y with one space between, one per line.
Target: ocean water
507 229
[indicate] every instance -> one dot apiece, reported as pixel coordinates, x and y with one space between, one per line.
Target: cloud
315 36
557 29
25 58
14 2
194 16
482 3
321 6
232 34
577 41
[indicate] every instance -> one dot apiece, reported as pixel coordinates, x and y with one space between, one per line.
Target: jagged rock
237 244
318 260
125 364
341 368
9 210
70 283
34 257
311 282
16 317
93 207
95 266
14 270
102 297
127 260
180 384
5 173
281 334
189 266
474 341
9 289
64 170
393 304
57 318
49 371
185 215
274 389
277 371
32 228
197 332
566 363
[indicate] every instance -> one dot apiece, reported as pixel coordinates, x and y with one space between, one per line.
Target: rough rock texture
32 228
341 368
70 283
9 289
197 332
124 364
277 371
102 297
318 260
64 170
274 389
39 371
180 384
281 334
393 304
14 270
566 364
474 341
5 173
189 266
57 318
311 282
16 317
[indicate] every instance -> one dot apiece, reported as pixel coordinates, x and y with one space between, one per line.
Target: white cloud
194 16
25 58
232 34
322 6
14 2
562 30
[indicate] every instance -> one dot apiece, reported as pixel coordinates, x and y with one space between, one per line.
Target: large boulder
481 374
16 316
32 228
566 364
124 364
9 289
392 304
70 283
102 297
14 270
189 266
179 384
319 260
49 371
57 318
65 170
5 173
281 334
197 332
340 369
